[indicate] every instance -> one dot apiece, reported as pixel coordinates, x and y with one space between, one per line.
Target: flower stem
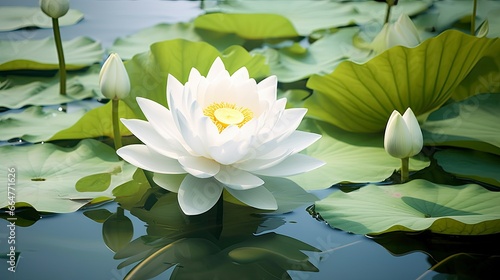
404 169
116 125
473 19
60 56
388 13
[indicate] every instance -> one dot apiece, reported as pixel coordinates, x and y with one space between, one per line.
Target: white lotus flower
223 131
403 137
113 78
400 33
54 8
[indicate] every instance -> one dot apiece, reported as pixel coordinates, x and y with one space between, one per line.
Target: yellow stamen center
224 114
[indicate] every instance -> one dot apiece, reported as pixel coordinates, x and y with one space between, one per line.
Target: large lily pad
22 91
349 157
148 71
308 16
294 63
12 18
42 55
471 123
46 175
361 97
139 42
248 26
483 167
414 206
32 124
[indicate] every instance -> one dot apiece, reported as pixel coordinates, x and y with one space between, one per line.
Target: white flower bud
54 8
113 78
403 137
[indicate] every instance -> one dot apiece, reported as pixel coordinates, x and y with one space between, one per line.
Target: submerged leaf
360 98
42 55
414 206
46 174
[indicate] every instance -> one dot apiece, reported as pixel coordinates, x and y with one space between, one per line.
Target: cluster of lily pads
320 52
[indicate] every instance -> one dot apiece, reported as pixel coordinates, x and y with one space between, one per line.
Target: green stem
473 19
116 125
60 56
388 13
404 169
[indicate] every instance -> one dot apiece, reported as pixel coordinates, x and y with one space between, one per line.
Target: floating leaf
32 124
414 206
471 123
12 18
148 71
470 164
308 16
94 183
22 91
46 174
248 26
42 55
96 123
349 157
139 42
321 57
360 98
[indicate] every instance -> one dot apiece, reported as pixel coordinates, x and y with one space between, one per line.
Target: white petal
238 179
143 130
195 145
415 132
299 140
259 197
170 182
268 89
173 87
146 158
199 166
290 120
217 69
229 152
292 165
240 74
397 137
197 196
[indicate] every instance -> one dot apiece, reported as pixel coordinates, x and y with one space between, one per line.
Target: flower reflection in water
229 241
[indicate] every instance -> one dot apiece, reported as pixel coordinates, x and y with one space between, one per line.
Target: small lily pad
471 123
32 124
41 54
12 18
475 165
248 26
46 174
414 206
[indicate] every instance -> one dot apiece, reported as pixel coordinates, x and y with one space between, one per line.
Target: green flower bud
54 8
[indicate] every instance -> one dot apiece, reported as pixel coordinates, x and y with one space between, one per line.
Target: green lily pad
414 206
139 42
12 18
291 64
22 91
42 55
96 123
479 166
361 97
248 26
148 71
471 123
308 16
349 157
46 174
32 124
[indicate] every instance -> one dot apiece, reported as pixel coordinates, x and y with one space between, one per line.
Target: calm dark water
71 246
